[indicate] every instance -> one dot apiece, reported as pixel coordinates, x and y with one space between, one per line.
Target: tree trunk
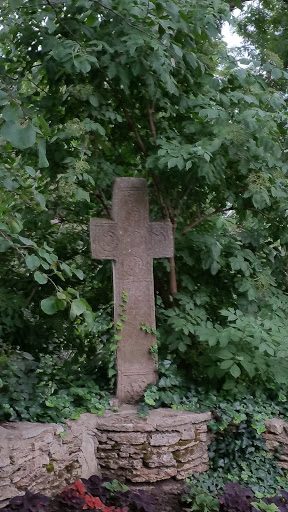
172 276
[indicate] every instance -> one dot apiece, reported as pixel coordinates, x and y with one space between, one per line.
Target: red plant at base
91 502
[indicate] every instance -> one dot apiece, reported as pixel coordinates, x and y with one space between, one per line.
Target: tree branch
101 197
200 219
151 120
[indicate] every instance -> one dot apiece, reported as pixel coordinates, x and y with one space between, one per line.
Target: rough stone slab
151 475
88 460
279 438
202 436
129 437
275 425
188 435
170 419
120 424
201 468
164 439
9 492
165 459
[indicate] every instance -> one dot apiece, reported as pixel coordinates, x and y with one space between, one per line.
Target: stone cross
132 241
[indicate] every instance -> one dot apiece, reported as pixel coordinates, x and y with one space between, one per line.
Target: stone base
167 443
45 458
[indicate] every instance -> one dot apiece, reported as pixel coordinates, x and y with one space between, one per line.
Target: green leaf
276 73
66 269
82 195
40 277
226 364
41 200
78 307
78 273
32 261
225 354
4 245
50 305
43 162
10 185
30 171
11 113
235 371
21 137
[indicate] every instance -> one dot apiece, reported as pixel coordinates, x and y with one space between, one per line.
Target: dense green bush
49 390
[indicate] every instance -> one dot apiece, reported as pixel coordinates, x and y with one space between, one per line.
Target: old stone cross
132 242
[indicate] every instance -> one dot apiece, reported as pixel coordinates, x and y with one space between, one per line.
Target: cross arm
104 239
161 239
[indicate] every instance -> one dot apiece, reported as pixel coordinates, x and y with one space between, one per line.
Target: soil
166 494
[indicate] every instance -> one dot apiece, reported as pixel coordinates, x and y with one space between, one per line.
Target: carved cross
132 241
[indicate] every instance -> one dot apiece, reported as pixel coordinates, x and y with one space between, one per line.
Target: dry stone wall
276 436
46 457
166 444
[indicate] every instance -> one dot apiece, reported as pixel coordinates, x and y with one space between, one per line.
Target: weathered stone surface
48 462
280 438
276 437
87 460
132 242
151 474
169 419
188 434
201 468
164 459
275 425
128 438
164 439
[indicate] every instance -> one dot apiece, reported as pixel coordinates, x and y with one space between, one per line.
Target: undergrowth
238 451
47 391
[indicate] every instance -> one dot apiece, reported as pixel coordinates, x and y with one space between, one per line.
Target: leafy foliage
235 498
85 495
51 390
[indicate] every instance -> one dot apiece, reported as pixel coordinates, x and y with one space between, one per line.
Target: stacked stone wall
276 436
47 457
166 444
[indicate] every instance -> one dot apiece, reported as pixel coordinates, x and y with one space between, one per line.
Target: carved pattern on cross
132 241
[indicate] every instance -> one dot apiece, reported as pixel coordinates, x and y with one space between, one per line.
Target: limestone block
280 439
128 437
106 446
8 492
130 463
164 439
107 455
202 437
164 459
3 482
185 455
272 445
169 419
183 445
201 468
101 436
151 474
19 461
27 430
87 457
7 471
275 425
202 428
120 424
188 434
